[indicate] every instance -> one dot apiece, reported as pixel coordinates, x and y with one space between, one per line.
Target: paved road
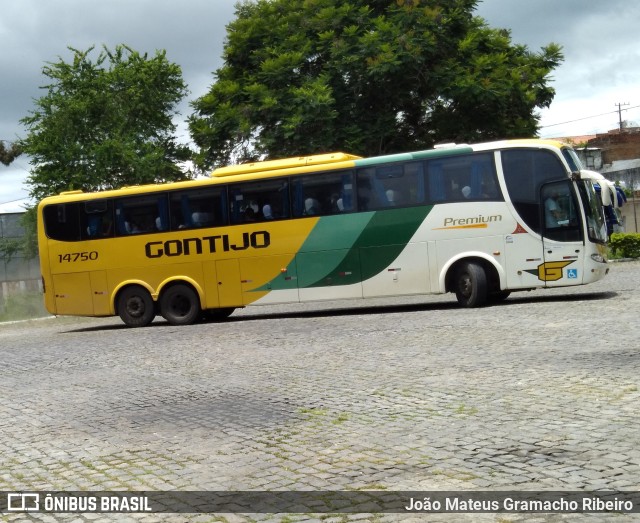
541 392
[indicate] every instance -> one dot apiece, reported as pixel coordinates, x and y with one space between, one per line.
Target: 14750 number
78 256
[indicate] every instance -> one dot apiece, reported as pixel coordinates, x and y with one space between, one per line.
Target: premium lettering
208 244
452 222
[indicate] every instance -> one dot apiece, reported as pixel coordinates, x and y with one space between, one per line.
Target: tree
10 153
366 76
105 123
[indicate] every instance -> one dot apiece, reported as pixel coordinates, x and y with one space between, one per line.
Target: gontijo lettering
207 244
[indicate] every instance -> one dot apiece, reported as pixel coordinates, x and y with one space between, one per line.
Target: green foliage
368 77
27 244
625 245
9 247
106 123
8 154
29 221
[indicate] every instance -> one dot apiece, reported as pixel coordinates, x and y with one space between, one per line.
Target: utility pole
620 113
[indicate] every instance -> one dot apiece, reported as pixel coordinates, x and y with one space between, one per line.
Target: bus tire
135 306
180 305
470 283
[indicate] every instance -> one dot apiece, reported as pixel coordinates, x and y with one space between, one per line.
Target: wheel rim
135 307
465 285
180 305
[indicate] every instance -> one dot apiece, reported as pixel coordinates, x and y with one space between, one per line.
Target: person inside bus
552 213
311 206
392 197
131 227
266 212
336 203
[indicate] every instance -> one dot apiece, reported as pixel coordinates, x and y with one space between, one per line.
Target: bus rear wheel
135 306
471 285
180 305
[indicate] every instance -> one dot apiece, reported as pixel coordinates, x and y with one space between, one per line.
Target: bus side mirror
605 194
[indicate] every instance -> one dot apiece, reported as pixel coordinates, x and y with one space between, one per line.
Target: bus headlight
599 258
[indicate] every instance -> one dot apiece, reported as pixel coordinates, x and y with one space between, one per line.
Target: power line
586 117
14 201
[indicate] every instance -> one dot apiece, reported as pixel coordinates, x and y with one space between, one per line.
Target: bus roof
332 158
308 164
284 163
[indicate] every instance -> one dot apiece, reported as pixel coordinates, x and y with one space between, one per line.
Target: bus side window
461 178
391 185
258 201
141 214
62 221
322 193
414 173
482 180
204 207
435 175
97 219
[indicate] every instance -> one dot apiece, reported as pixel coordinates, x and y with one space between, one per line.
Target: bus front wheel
180 305
471 285
135 306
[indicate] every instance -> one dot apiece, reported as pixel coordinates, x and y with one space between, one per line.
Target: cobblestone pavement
540 392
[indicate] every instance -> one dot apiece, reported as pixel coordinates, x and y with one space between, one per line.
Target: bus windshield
596 226
572 159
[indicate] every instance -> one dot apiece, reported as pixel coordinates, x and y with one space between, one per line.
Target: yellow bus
479 221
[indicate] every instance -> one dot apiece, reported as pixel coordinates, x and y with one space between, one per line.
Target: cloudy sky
600 40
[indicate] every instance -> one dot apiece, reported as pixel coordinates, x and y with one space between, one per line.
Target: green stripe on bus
347 249
418 155
338 231
378 160
439 153
323 250
386 234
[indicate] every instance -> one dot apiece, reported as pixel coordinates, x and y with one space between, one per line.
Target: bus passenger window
391 185
97 219
259 201
62 222
322 193
141 214
461 178
204 207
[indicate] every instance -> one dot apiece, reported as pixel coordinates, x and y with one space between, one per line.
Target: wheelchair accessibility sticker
552 271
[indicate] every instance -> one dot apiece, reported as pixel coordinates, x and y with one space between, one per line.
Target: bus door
228 282
562 241
72 293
